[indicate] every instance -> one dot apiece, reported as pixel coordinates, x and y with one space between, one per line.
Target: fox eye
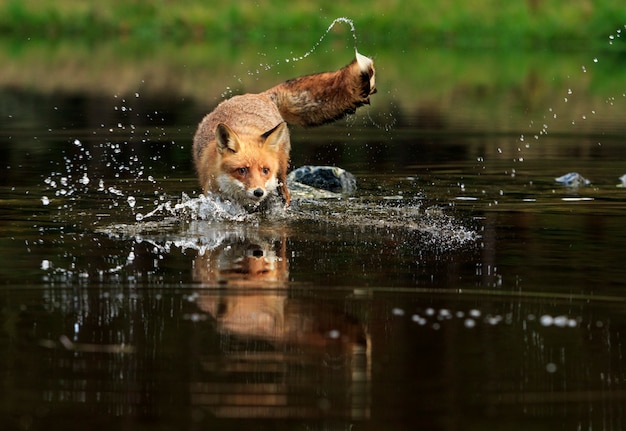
265 171
242 171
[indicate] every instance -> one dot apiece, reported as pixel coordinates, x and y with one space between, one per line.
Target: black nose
258 193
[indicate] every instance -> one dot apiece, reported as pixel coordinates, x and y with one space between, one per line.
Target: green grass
563 23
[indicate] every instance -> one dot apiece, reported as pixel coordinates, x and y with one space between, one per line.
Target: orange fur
241 149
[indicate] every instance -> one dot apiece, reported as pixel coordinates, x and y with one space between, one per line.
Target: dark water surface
460 288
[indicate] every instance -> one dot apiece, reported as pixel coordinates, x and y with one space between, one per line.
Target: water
460 287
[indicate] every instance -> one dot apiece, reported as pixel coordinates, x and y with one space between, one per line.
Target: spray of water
268 66
552 116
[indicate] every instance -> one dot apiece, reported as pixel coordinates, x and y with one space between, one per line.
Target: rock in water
329 178
573 179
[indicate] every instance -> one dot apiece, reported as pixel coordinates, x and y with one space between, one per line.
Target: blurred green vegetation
510 61
562 23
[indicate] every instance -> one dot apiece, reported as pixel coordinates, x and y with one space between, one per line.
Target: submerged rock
330 178
573 179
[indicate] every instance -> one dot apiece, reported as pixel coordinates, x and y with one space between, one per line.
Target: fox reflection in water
243 262
246 291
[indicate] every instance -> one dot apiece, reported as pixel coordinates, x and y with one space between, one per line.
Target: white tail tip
365 63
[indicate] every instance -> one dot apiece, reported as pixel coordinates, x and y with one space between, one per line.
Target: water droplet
131 201
572 323
444 313
560 321
334 334
419 320
397 312
546 320
469 323
45 200
551 367
115 191
139 217
595 60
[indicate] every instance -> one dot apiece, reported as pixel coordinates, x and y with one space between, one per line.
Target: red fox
241 149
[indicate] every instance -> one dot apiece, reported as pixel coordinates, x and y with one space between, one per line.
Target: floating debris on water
573 179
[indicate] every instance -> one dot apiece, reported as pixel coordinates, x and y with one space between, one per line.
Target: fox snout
244 193
258 193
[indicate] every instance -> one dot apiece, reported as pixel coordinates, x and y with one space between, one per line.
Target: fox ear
277 136
226 138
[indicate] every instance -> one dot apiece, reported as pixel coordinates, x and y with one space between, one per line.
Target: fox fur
241 149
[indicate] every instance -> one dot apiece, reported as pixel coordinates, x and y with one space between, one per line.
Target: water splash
342 20
209 207
553 118
72 177
268 66
330 27
403 217
79 177
110 167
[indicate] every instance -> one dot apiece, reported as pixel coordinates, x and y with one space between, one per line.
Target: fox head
251 164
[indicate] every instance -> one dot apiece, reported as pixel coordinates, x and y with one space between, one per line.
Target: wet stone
330 178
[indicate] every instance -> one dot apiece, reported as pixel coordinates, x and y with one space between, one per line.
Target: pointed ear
276 137
226 138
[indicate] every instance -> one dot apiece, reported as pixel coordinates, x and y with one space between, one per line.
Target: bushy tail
325 97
